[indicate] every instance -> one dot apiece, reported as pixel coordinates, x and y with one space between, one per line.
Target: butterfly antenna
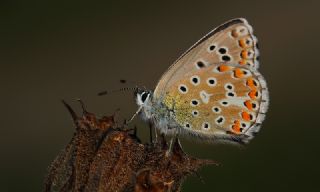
135 83
124 81
125 89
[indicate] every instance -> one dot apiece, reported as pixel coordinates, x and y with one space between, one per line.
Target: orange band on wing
238 73
242 43
251 83
236 127
224 68
244 54
253 94
248 104
242 62
246 116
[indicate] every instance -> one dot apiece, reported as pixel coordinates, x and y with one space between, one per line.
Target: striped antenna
125 89
118 90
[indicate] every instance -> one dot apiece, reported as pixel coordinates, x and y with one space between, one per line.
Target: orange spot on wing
238 73
242 43
251 84
224 68
242 62
246 116
244 54
253 94
248 104
236 127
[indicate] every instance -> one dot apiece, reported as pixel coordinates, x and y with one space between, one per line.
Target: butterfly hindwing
218 100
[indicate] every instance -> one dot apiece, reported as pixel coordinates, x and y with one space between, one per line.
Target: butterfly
213 91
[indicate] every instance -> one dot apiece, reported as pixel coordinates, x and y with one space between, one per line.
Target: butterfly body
156 112
213 91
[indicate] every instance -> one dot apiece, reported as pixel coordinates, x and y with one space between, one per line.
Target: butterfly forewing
231 43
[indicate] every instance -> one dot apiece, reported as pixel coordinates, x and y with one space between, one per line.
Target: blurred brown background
51 50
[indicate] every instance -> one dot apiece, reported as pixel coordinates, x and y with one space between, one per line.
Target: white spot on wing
238 101
242 31
205 97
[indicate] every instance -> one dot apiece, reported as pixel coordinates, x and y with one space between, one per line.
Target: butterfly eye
144 96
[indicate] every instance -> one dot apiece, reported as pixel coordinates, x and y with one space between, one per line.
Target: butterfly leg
172 139
168 152
150 132
155 135
135 114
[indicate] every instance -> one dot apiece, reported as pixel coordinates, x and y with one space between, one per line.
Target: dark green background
51 50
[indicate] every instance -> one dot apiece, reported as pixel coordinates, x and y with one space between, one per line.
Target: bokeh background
52 50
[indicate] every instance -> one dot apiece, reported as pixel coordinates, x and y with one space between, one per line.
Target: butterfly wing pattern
215 89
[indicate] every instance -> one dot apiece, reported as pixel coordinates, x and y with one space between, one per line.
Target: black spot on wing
210 34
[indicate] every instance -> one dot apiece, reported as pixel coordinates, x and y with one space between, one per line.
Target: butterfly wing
231 43
215 89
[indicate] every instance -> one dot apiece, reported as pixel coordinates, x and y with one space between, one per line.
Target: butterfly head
142 96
